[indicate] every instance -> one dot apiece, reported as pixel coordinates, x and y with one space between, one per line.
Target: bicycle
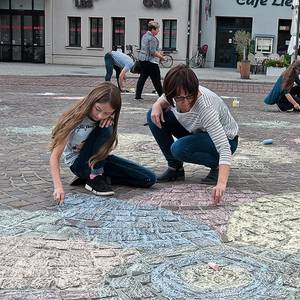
167 62
130 52
198 60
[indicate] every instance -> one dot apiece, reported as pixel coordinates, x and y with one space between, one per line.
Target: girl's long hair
106 92
289 75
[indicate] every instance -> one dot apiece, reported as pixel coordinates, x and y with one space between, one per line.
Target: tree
242 42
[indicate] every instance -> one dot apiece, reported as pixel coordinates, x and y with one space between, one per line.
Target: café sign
157 3
84 3
258 3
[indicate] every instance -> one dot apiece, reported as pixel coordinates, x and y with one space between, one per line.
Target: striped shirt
210 114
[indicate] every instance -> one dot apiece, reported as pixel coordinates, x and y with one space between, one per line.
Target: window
264 44
74 31
118 37
143 27
169 34
96 32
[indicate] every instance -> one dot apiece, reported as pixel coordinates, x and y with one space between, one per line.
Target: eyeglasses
189 98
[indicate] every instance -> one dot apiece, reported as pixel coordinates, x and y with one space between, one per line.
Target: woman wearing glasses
205 130
284 93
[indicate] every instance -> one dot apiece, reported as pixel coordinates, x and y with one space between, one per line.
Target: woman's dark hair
180 78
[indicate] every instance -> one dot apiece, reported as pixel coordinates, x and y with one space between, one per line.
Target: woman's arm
290 98
158 54
158 107
219 190
58 194
210 121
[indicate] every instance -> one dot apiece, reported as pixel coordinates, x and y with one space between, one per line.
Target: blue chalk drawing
109 220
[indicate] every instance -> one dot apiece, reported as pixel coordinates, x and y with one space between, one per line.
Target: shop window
143 27
21 4
169 34
74 31
264 44
96 32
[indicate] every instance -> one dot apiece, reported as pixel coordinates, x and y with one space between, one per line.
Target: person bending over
119 61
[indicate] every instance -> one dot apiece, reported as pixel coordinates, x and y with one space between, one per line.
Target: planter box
273 71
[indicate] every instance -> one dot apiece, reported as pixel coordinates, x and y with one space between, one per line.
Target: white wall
132 10
265 19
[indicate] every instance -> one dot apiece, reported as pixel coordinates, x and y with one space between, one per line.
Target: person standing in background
119 61
149 57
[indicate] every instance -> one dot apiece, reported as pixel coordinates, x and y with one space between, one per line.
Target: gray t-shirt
77 139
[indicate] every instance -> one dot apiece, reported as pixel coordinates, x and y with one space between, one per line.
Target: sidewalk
210 74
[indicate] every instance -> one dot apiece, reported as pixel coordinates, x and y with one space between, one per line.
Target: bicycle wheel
193 62
167 62
201 61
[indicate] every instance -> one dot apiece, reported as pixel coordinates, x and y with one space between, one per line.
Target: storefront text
157 3
257 3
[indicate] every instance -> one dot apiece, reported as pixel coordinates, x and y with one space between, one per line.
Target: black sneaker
76 181
171 175
98 186
212 177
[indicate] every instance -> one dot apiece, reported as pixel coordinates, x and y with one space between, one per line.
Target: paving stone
262 201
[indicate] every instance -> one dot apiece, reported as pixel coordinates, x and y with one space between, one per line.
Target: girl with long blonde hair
85 134
284 92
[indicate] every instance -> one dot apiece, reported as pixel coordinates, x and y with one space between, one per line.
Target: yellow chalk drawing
272 221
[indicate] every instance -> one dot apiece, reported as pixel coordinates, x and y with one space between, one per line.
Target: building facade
82 31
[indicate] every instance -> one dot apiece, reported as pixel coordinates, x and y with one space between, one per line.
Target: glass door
226 54
5 52
22 38
27 39
38 39
16 38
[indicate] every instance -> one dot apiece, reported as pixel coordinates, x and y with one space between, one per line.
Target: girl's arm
58 194
290 98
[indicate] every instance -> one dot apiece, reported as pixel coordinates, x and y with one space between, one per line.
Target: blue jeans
195 148
120 170
110 66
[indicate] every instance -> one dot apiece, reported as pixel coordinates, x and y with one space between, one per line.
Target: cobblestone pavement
159 243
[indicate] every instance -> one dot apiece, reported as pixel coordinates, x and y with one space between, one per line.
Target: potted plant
242 42
275 67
